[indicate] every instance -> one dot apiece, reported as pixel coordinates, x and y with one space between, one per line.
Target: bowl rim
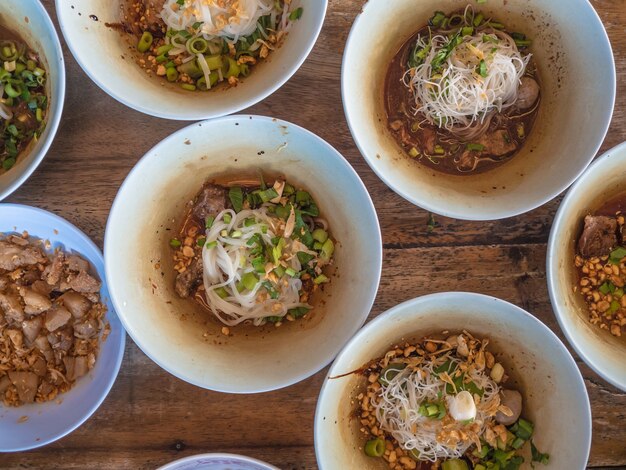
370 208
98 261
552 270
427 205
54 120
218 455
208 114
415 302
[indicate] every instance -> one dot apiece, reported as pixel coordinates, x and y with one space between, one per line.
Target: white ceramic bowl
31 21
217 462
555 398
186 340
113 67
577 74
604 353
50 421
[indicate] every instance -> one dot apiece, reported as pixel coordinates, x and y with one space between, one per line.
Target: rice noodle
226 263
456 96
233 20
397 409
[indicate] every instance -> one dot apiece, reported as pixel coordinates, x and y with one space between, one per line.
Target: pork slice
83 282
43 345
77 304
75 367
39 366
599 236
13 310
76 263
41 287
31 328
497 143
26 384
35 302
187 282
57 317
16 337
5 382
52 273
14 256
4 282
211 201
86 329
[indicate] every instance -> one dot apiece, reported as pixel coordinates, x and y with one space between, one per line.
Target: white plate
52 420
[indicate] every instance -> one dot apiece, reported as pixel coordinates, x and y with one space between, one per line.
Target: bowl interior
84 27
178 334
34 425
31 21
603 181
572 121
562 420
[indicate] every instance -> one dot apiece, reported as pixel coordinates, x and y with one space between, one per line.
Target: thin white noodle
230 259
456 97
397 410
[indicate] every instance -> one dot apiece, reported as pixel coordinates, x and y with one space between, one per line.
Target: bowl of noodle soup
470 110
149 51
205 278
558 424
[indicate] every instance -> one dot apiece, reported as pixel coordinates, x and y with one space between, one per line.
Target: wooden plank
150 417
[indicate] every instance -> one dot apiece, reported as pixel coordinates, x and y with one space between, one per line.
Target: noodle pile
465 76
227 259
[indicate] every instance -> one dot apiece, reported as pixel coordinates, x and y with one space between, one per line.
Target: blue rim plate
38 424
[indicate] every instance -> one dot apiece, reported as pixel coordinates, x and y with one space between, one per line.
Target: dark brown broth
400 104
615 205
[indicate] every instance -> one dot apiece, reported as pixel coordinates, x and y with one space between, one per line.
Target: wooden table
150 417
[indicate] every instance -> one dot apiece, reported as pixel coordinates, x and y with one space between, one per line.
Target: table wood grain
150 417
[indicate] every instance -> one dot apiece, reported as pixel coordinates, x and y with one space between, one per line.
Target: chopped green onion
320 235
538 456
235 194
467 31
145 42
171 73
227 218
438 19
175 243
296 14
249 280
482 69
210 245
413 153
617 255
475 147
221 292
439 150
188 87
290 272
201 241
209 221
321 279
478 19
375 448
454 464
328 248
